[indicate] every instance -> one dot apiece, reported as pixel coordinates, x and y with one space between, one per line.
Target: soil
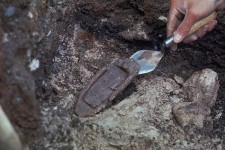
73 40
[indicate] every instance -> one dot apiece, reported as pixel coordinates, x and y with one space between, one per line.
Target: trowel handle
169 41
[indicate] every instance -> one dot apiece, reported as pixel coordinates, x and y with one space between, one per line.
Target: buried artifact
113 79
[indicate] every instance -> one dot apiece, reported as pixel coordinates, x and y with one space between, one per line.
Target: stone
202 86
10 11
178 79
201 90
219 147
193 117
34 65
163 18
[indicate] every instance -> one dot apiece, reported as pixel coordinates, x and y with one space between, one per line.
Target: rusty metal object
105 86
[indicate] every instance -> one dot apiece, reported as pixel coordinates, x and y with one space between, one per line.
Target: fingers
193 11
184 28
201 32
190 38
174 21
212 25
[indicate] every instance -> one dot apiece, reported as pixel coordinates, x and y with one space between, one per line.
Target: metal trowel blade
147 59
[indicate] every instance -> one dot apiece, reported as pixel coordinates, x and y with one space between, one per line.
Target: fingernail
194 37
177 38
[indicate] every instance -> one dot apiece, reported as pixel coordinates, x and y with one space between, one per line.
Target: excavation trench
72 41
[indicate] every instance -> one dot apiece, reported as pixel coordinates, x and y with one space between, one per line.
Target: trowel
149 59
114 78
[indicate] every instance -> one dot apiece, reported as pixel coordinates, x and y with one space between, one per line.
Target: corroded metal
105 86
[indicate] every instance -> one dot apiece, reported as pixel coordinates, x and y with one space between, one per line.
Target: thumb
185 27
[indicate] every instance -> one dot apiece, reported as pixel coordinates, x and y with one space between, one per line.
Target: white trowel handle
169 41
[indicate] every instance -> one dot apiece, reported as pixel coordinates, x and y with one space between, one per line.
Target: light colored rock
163 18
30 15
178 79
202 86
193 117
137 121
141 121
34 65
201 90
219 147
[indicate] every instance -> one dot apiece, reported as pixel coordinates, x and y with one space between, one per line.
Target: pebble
178 79
218 115
219 147
163 18
94 127
5 38
34 65
30 15
49 33
10 11
19 100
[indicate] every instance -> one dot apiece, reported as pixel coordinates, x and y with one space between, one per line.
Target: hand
185 13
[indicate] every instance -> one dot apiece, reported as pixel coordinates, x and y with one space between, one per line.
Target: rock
136 122
193 117
201 90
202 87
178 79
10 11
163 18
219 147
34 65
140 121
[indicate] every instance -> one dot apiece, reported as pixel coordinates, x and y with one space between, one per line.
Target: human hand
185 13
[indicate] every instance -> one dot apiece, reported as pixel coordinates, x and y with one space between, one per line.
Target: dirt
17 95
73 40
